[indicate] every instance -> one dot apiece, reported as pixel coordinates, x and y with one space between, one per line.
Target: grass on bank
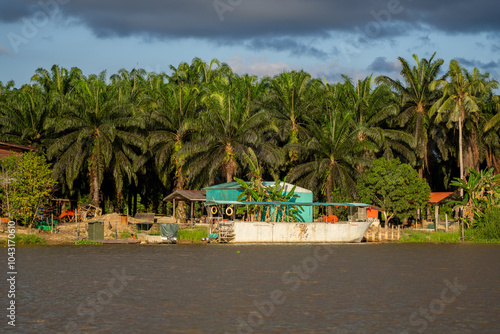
26 239
87 242
192 234
424 236
125 234
471 235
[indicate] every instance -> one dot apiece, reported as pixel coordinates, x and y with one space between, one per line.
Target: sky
327 38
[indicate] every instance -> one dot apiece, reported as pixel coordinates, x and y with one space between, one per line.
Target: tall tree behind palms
416 101
460 102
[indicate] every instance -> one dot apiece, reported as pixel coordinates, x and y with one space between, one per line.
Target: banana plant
481 191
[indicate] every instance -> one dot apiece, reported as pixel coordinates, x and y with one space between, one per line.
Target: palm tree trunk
460 153
329 192
95 184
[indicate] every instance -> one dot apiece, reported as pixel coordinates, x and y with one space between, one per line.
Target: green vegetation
27 239
424 236
194 234
27 185
87 242
481 204
125 234
393 186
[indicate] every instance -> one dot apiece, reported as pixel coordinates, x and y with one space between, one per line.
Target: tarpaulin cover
169 229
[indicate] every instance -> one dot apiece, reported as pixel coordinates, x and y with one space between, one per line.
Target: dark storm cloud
381 65
246 19
286 44
471 63
13 10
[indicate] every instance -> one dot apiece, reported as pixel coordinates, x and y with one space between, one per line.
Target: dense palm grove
147 134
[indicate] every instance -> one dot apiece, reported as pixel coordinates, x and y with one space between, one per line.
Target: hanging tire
229 211
214 210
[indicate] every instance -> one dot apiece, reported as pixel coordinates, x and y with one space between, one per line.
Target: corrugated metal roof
215 202
187 195
438 197
235 185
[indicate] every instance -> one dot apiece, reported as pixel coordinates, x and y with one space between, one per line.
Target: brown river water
340 288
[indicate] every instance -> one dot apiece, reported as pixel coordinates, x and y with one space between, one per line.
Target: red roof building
7 148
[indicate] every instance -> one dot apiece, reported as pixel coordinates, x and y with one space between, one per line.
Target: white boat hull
261 232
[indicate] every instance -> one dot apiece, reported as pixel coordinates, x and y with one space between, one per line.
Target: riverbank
68 235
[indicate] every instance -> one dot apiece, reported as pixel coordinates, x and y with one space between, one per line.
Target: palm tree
24 117
56 85
334 151
416 100
460 101
211 72
224 131
372 108
5 90
491 133
95 135
291 100
494 106
174 107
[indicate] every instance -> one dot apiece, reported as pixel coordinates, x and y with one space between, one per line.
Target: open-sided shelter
229 192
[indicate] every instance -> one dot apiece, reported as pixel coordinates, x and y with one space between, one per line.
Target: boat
244 231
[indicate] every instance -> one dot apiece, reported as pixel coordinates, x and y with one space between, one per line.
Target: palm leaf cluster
139 135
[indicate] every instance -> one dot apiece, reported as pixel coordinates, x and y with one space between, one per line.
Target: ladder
226 231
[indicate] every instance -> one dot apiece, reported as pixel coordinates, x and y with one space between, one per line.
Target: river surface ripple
340 288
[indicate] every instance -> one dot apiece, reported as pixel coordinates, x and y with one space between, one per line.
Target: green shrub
194 234
125 234
87 242
488 227
423 236
28 239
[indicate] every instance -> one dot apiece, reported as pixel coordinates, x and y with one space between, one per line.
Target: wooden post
386 231
173 206
399 233
461 215
379 234
446 222
116 229
392 232
78 225
436 217
191 218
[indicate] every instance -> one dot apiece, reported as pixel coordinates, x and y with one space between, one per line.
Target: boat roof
287 187
221 202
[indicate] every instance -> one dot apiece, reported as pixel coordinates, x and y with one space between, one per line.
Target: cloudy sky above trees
327 38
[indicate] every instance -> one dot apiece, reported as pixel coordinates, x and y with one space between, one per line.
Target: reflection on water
351 288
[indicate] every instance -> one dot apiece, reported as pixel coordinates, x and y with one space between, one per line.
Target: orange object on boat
331 219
